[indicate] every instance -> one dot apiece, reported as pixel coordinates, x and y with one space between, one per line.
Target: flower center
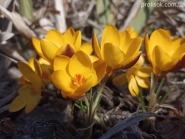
44 75
68 51
78 79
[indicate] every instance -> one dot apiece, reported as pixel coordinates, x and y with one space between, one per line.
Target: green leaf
104 12
26 9
140 19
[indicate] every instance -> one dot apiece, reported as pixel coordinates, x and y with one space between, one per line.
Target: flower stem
160 86
99 93
152 101
141 101
93 107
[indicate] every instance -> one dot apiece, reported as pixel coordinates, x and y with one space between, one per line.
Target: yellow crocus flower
164 53
30 92
56 43
118 49
135 76
76 75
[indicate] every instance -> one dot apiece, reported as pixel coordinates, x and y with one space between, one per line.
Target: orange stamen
44 75
79 78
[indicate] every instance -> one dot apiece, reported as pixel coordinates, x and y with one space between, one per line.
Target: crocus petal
182 41
47 69
25 69
125 41
60 62
174 46
161 58
96 47
134 47
86 48
69 36
21 100
120 79
18 103
49 49
178 58
179 64
144 72
131 71
37 46
46 73
132 32
112 55
78 39
31 63
110 35
147 48
36 82
37 66
142 82
98 73
80 63
133 87
55 37
140 62
32 102
130 61
25 88
43 61
179 51
63 81
93 58
34 64
160 37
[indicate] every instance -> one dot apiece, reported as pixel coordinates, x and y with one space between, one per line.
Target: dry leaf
12 52
18 22
5 36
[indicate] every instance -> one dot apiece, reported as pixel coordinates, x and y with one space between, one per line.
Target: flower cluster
74 68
